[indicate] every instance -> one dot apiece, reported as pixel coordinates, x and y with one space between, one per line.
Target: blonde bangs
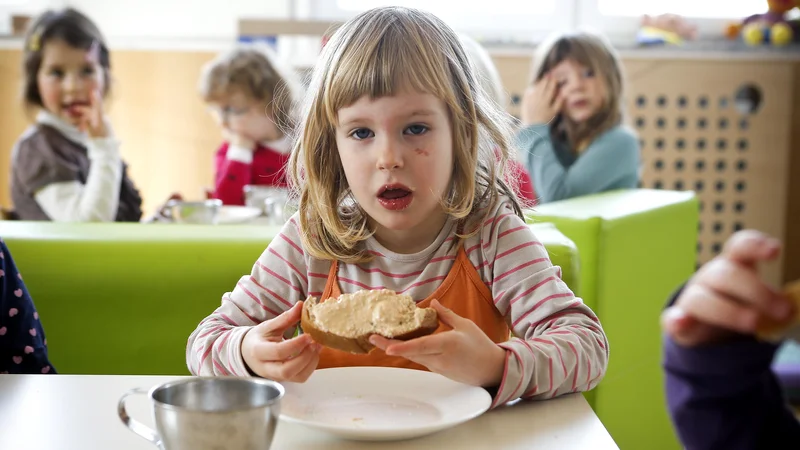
378 60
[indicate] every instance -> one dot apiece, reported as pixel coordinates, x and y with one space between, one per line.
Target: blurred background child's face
244 116
583 90
66 78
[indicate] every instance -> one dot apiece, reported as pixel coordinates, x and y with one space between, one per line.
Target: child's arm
234 166
560 346
606 163
727 396
720 388
22 339
278 280
57 188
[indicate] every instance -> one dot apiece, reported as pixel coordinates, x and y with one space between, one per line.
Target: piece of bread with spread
345 323
772 330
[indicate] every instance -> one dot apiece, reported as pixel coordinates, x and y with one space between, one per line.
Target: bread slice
346 323
771 330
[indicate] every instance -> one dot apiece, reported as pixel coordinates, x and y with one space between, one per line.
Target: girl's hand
92 121
463 354
541 101
727 297
269 355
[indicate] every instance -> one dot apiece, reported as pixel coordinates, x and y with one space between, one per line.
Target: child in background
397 168
492 85
573 141
721 391
23 347
254 101
67 166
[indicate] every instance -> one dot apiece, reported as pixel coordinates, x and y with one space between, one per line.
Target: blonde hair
376 54
487 74
595 52
256 72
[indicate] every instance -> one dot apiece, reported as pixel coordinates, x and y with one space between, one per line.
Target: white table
60 412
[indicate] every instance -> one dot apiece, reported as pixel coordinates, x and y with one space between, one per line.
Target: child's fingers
289 369
280 351
277 326
685 329
735 281
708 306
749 247
309 369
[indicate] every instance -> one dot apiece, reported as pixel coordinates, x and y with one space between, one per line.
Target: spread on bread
770 330
347 322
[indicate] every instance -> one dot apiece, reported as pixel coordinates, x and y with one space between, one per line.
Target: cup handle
134 425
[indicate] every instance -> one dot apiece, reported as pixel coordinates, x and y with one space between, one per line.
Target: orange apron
462 291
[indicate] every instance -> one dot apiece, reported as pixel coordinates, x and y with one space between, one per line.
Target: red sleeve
525 188
231 178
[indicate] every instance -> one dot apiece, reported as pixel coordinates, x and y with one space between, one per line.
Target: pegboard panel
721 129
696 135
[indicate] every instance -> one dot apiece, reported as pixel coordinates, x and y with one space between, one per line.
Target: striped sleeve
277 281
559 346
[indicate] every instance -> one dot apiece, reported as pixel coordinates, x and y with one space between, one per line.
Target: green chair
123 298
635 247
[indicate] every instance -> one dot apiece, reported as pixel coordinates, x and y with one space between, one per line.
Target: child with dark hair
67 167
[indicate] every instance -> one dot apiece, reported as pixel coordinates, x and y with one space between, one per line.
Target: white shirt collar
282 145
69 131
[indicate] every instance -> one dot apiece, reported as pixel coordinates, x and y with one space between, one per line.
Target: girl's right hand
541 101
727 297
92 119
269 355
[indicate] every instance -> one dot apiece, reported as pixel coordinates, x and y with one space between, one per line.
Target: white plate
237 214
381 403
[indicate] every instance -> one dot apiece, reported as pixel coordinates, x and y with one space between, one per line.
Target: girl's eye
361 133
56 73
88 70
589 73
417 129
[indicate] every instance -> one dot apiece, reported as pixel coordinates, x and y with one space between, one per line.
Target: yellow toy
770 27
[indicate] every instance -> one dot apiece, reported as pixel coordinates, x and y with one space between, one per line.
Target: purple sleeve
727 397
23 346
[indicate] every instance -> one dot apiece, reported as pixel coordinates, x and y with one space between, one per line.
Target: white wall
161 23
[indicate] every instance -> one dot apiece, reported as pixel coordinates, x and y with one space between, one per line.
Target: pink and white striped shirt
559 345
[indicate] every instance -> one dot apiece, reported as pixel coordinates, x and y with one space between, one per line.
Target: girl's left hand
464 354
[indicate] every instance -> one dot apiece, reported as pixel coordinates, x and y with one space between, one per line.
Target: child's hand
541 101
92 121
463 354
269 355
727 296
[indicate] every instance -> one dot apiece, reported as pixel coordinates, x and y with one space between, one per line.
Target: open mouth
395 197
73 108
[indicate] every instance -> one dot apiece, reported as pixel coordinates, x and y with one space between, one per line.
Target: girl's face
66 78
397 155
242 115
583 90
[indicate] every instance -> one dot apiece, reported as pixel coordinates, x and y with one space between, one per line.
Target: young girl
67 166
23 347
490 80
573 141
253 98
401 187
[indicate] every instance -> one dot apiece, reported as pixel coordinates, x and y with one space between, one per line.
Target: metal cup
210 413
202 212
